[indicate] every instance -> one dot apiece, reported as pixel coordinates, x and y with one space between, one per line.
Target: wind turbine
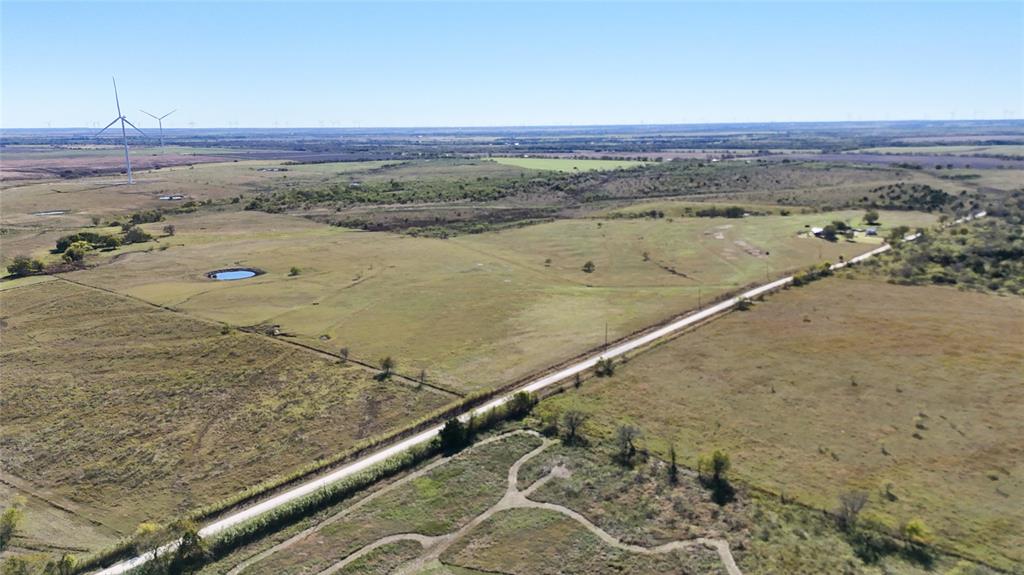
124 132
160 120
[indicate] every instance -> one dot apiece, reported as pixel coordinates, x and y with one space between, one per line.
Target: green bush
24 266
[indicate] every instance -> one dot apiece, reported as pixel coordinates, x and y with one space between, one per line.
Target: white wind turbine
160 120
124 132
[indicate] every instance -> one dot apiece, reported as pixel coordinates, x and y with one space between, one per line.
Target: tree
453 436
871 217
850 505
673 468
572 425
626 437
521 404
343 354
76 252
9 521
24 266
713 469
589 267
387 366
829 233
136 235
169 230
190 551
605 367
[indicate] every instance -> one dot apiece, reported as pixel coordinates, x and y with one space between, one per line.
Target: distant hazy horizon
351 65
1015 123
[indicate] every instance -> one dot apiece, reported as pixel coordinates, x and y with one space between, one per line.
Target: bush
605 367
136 235
24 266
589 267
75 253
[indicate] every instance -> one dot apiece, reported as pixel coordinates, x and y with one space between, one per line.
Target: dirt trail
513 498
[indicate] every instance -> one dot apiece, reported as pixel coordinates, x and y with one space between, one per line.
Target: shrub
850 505
589 267
294 271
24 266
76 252
605 367
136 235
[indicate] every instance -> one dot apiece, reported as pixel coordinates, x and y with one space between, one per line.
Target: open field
1005 150
132 413
909 393
26 163
474 311
106 196
566 164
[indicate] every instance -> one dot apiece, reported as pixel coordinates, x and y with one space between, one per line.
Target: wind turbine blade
116 99
108 125
148 114
168 114
133 125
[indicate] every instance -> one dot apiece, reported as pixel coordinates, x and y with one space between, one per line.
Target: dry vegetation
909 393
134 413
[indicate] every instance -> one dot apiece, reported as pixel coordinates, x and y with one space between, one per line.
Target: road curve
423 437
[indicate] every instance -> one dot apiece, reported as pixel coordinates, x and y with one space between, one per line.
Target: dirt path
513 498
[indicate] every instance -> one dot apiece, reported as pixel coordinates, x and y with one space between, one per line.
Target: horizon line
561 126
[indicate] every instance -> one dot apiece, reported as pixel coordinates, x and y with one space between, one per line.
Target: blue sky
471 64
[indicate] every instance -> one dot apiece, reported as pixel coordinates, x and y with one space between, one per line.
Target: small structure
817 232
871 231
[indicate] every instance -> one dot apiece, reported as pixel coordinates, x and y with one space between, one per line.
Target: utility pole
606 335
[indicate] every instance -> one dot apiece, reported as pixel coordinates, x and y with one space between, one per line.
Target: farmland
124 412
566 164
524 301
136 388
849 384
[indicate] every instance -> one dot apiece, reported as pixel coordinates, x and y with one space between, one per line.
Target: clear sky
472 64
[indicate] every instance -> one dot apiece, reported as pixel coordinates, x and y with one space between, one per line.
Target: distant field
124 412
476 311
849 384
108 195
566 164
964 150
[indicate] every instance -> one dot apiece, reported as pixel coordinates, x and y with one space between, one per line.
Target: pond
230 275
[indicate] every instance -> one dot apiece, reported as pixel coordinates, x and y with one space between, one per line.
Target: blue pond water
229 275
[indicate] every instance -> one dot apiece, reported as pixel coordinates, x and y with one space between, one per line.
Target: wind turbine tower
160 120
124 132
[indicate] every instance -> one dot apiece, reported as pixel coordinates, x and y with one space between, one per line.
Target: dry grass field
566 164
123 412
912 394
475 311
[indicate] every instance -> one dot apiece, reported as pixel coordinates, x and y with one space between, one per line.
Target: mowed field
475 311
123 412
912 394
566 164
